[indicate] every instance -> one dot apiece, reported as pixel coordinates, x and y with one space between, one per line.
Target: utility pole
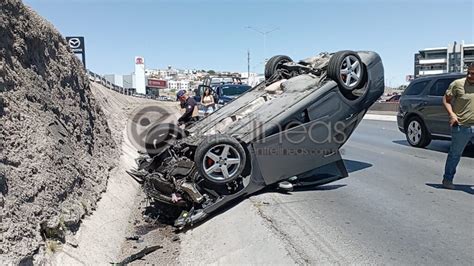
248 66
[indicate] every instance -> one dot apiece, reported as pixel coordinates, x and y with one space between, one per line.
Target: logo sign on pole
140 79
139 60
78 47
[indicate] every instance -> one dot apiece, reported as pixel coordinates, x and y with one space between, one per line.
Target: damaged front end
172 178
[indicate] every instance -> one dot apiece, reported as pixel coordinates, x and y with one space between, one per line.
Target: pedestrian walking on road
459 102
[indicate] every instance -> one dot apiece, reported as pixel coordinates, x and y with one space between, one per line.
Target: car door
412 100
435 115
310 145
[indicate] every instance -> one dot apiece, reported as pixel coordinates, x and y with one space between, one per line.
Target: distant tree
211 72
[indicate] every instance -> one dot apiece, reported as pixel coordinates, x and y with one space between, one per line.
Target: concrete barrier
391 107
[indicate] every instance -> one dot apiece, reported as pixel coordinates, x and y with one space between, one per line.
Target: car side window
417 88
440 86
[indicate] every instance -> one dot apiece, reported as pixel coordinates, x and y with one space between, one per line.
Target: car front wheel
220 159
416 133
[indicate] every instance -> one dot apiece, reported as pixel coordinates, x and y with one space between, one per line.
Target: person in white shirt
207 101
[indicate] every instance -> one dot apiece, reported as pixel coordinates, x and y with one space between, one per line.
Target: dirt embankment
57 150
101 235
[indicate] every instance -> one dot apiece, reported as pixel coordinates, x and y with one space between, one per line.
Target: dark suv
228 92
421 115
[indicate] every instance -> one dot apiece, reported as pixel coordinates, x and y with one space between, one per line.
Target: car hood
228 98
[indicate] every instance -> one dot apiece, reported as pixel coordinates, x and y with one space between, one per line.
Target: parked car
162 98
286 130
221 79
227 93
214 82
223 94
422 116
393 99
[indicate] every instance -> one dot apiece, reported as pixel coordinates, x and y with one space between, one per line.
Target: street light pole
264 33
265 48
248 66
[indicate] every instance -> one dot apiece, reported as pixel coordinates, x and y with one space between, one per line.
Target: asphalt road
390 210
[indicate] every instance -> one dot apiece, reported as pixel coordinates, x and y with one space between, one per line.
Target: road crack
295 253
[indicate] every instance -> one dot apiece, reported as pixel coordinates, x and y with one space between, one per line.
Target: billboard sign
77 46
157 83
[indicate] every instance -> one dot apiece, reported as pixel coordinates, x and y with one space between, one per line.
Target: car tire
161 136
416 133
347 70
274 64
220 159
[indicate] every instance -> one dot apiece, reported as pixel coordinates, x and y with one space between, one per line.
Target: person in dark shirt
191 111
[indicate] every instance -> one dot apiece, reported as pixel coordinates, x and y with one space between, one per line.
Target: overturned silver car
286 130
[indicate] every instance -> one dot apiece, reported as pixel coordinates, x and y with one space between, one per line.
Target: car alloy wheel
221 162
414 132
350 71
220 159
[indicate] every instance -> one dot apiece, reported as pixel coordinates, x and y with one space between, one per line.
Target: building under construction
453 58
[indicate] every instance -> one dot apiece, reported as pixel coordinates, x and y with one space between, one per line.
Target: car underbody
288 129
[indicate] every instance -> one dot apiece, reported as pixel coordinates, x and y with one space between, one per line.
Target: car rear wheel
416 133
220 159
347 70
274 64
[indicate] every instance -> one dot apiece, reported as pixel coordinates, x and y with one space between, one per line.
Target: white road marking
392 118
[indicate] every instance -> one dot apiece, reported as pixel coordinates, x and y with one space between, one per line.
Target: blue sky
204 34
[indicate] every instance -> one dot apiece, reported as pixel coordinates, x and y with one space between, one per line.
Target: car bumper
400 122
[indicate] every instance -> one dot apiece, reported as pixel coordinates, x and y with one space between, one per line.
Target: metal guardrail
101 79
128 91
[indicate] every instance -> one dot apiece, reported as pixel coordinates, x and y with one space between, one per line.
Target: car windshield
234 90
